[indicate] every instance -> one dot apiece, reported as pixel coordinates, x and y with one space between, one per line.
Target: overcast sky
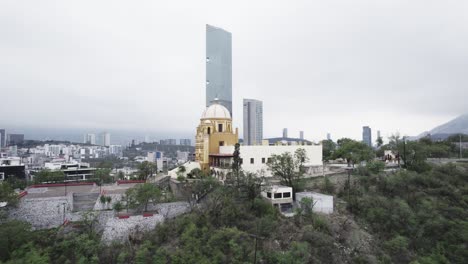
318 66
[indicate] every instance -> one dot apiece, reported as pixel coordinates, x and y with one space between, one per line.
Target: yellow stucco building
215 130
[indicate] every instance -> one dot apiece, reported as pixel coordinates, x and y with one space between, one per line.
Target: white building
280 197
255 158
105 139
182 156
156 157
116 150
90 139
322 203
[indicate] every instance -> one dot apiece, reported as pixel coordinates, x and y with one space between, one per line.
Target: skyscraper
2 138
285 132
106 139
253 122
301 135
15 139
367 136
219 66
90 139
328 136
378 133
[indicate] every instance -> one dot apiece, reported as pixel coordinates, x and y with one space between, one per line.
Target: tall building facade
2 138
218 67
104 139
301 135
328 136
367 136
253 122
90 139
15 139
185 142
285 132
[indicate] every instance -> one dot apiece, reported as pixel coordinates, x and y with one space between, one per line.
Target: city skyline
321 62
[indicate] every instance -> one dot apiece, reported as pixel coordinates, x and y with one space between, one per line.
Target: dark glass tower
219 66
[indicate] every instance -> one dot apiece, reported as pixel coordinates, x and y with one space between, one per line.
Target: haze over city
329 66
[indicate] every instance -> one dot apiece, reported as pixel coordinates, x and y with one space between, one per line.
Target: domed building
215 130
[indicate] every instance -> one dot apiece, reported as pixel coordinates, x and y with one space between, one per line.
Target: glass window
286 195
251 160
263 160
269 194
220 127
278 195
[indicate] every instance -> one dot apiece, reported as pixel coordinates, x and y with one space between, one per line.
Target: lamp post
349 169
460 147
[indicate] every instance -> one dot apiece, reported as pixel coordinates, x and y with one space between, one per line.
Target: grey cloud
319 66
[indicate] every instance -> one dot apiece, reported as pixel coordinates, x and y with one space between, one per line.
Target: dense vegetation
421 217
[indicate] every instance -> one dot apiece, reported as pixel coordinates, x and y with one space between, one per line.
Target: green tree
379 142
353 151
146 169
103 176
328 148
13 234
8 195
237 164
289 168
118 206
141 195
48 176
121 175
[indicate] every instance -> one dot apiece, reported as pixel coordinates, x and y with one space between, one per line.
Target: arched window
220 127
208 130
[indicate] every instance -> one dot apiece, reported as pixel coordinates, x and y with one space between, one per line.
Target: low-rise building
279 196
12 167
74 171
255 158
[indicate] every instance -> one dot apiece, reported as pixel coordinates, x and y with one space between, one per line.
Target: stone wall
43 213
117 229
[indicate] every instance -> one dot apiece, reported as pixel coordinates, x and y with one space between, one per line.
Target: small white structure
278 194
255 158
322 203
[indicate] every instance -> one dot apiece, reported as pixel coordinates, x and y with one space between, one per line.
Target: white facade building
90 139
322 203
255 158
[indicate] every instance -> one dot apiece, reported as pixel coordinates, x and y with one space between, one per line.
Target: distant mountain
455 126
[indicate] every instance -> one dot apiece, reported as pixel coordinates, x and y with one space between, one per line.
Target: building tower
328 136
219 67
215 130
253 122
301 135
2 138
367 136
90 139
285 133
